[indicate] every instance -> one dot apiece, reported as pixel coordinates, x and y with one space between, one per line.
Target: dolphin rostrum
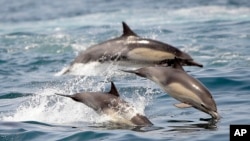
110 104
181 86
130 47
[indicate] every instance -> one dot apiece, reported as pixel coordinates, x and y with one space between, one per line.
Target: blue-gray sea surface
38 39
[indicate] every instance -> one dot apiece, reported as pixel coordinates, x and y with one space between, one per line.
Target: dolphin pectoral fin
182 105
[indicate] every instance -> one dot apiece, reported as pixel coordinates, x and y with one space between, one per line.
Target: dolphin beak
215 115
192 63
137 72
129 71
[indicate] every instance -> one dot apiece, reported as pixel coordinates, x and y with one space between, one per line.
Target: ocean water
38 39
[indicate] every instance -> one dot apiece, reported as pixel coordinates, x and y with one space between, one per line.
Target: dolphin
130 47
181 86
110 104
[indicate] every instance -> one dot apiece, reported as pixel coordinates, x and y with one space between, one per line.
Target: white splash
90 69
45 106
49 108
100 69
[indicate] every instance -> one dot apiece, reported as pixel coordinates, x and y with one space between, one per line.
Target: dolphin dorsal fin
127 31
113 90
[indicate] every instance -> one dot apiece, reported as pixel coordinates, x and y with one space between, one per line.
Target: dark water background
40 38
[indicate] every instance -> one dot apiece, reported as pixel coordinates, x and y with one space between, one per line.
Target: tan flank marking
147 54
182 94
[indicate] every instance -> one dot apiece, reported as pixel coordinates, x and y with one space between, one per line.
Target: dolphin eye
202 105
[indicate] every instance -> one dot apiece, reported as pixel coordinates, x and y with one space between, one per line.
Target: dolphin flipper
182 105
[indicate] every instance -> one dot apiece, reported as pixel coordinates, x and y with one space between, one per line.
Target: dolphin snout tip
193 63
128 71
215 115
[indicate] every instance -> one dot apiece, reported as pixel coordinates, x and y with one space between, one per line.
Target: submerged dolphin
181 86
132 48
109 103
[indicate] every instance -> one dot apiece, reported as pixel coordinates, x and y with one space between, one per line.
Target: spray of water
45 106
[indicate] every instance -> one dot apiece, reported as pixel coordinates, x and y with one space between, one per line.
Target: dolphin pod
181 86
131 48
173 79
110 104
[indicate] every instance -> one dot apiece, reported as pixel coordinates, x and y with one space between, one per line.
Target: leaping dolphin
181 86
130 47
110 104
